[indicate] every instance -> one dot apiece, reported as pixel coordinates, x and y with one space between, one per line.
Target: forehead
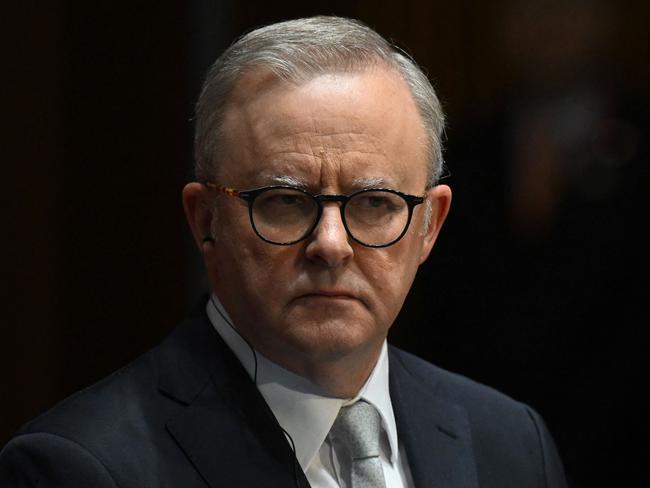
331 131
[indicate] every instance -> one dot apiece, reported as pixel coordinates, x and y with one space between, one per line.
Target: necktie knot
358 427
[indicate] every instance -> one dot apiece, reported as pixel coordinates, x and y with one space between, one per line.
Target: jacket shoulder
114 430
510 439
451 386
123 401
101 406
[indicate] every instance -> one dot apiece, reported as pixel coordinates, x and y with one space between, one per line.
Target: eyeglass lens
284 215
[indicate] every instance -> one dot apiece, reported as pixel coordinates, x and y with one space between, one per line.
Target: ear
198 212
440 200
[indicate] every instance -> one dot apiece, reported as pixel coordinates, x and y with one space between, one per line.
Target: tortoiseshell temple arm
223 189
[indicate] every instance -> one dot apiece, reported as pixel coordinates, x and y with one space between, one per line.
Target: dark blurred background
538 285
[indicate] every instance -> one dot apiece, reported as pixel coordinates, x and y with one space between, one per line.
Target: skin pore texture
320 308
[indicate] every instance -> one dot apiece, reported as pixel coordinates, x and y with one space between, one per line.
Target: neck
340 377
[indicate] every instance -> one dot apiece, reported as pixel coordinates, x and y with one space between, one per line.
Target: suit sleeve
47 460
552 470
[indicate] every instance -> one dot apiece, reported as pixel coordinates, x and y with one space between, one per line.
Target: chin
334 338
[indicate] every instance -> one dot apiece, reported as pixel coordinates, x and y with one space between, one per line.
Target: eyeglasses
285 215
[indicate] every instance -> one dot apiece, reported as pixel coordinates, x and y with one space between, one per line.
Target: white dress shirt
306 413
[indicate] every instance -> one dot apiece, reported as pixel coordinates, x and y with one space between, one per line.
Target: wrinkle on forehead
330 168
327 130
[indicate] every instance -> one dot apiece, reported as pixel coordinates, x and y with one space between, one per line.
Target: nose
329 243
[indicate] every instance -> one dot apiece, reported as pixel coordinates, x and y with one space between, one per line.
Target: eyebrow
287 180
371 182
357 183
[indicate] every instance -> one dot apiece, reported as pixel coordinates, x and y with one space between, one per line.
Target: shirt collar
302 408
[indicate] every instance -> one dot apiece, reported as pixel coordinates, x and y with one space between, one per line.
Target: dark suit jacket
187 415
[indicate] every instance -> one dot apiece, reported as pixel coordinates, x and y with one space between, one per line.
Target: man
318 157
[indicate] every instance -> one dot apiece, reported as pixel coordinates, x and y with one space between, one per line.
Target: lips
334 294
330 294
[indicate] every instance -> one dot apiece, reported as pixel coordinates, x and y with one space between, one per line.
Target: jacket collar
222 423
435 432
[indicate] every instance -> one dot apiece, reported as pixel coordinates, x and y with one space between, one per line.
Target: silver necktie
358 427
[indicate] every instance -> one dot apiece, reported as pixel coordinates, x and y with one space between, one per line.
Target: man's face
326 297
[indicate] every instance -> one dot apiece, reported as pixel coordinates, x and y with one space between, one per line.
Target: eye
290 199
286 198
377 201
277 202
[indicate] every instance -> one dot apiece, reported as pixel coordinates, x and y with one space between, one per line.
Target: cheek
256 270
389 275
239 265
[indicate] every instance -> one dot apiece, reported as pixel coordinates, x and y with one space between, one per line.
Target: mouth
329 295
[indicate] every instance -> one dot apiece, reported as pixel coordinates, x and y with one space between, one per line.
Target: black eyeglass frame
249 197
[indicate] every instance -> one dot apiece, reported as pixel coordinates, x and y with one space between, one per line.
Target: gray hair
296 51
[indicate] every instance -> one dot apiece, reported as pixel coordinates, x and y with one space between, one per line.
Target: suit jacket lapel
223 424
435 433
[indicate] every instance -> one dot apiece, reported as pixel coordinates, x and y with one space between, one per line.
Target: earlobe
440 200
